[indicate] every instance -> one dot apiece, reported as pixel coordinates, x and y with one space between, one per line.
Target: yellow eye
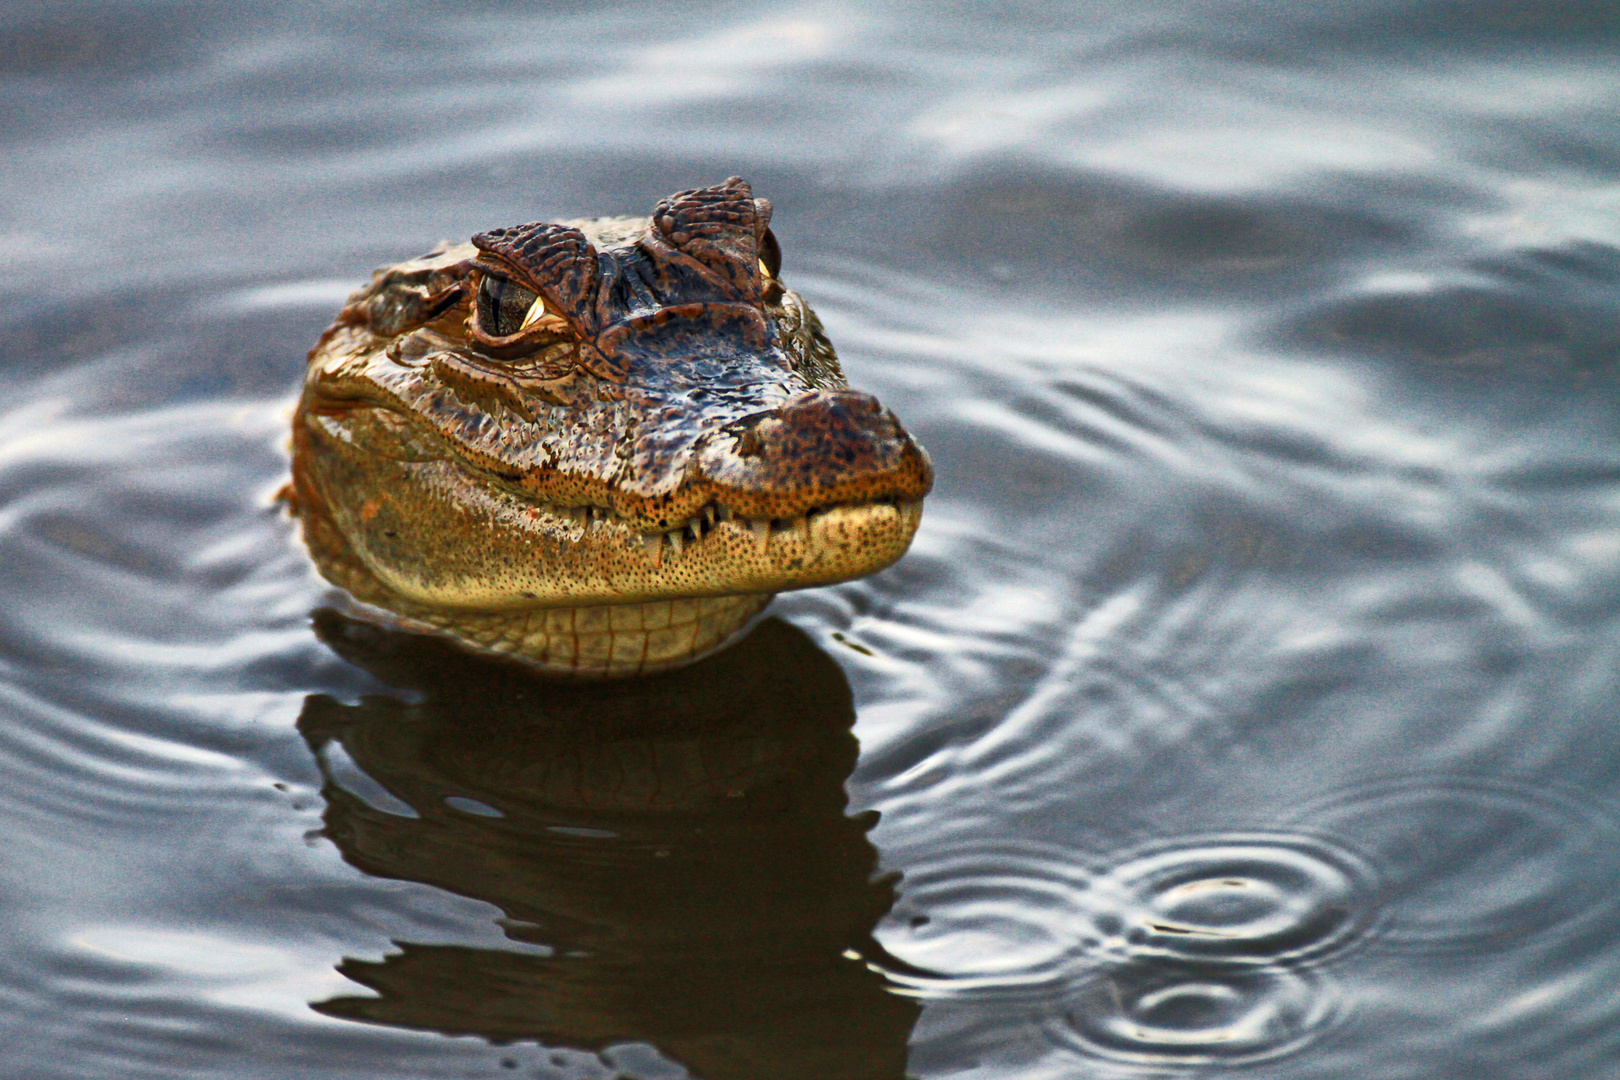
505 308
537 312
770 257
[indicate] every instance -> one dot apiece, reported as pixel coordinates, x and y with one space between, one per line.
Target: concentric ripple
1254 899
994 921
1035 920
1170 1015
1465 862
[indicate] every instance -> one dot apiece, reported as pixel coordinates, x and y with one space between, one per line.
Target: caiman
598 446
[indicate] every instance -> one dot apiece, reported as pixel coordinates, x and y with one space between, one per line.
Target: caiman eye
504 308
770 256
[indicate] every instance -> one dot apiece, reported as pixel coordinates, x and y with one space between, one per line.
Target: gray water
1247 702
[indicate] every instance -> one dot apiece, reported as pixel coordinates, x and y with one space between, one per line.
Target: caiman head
597 445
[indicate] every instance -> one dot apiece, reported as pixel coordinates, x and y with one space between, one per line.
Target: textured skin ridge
721 228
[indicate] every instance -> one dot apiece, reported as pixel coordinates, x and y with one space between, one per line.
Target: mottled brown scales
596 445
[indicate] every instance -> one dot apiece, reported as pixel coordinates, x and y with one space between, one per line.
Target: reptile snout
820 448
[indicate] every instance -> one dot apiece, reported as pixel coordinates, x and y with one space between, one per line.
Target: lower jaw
606 641
595 641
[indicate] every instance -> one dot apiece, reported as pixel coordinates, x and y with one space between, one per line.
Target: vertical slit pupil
770 253
502 306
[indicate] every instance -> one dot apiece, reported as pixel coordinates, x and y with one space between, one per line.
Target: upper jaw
811 450
732 431
819 450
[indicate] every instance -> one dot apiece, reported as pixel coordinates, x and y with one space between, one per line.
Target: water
1247 700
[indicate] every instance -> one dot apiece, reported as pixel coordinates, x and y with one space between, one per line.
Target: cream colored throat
604 641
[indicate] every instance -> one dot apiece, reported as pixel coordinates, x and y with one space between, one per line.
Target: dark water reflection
676 847
1248 699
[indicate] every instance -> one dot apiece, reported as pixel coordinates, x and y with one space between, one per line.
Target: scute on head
595 415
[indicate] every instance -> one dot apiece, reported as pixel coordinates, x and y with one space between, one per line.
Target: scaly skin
599 446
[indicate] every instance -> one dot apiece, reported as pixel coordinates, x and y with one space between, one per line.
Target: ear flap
558 261
721 228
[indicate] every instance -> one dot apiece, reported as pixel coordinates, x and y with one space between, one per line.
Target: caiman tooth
911 513
675 542
723 512
708 514
695 527
653 545
762 532
809 532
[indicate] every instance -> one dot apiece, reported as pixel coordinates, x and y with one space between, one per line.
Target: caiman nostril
820 448
828 420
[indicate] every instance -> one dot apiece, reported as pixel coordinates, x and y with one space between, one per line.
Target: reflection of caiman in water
678 842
